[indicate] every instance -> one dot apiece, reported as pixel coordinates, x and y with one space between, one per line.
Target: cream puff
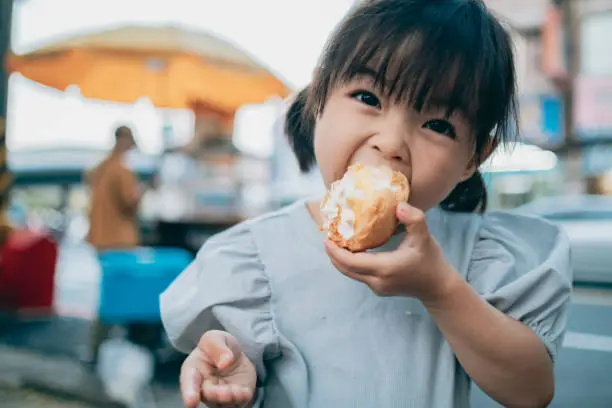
359 210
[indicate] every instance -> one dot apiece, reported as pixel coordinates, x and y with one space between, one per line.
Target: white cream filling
345 189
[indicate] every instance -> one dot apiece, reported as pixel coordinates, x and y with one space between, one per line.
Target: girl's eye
367 98
442 127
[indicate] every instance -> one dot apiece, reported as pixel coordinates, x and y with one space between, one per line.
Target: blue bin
132 281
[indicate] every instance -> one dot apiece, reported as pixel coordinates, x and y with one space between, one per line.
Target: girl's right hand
218 373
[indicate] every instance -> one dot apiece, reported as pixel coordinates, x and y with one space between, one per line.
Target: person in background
113 216
115 197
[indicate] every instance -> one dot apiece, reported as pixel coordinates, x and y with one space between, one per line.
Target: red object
554 58
27 272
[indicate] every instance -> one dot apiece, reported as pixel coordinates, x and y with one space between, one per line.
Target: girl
427 87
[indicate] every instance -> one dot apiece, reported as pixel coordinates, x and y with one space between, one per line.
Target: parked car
587 220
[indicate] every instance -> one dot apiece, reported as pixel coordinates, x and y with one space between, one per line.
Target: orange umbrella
175 68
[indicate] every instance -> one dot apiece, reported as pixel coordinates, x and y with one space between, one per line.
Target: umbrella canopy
174 68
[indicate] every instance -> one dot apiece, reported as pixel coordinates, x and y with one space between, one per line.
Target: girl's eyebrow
438 104
366 71
369 74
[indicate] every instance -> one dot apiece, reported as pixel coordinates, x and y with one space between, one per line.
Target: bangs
429 55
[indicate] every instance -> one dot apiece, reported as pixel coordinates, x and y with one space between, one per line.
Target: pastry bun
359 210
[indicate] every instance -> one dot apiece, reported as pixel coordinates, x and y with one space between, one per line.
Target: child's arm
505 319
225 287
502 355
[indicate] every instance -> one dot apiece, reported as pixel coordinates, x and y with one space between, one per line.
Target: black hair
426 53
299 128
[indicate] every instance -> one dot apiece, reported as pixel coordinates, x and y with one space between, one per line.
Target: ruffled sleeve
225 286
521 266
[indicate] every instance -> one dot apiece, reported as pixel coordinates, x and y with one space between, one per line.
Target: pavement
41 380
18 398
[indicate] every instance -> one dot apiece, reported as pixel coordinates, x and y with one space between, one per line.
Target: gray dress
320 339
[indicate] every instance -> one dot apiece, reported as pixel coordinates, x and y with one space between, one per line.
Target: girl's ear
488 150
477 160
469 170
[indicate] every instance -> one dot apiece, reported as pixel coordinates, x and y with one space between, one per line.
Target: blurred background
201 87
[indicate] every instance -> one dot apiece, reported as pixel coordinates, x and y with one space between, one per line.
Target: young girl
428 88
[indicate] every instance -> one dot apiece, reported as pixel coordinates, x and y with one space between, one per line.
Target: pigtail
299 129
468 196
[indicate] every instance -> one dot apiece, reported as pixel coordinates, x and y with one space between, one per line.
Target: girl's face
358 124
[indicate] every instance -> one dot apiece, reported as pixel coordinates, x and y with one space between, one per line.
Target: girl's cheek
322 156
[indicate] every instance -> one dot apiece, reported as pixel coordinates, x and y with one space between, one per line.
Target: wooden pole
6 178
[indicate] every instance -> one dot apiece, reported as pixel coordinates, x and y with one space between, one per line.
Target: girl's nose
392 139
391 145
389 153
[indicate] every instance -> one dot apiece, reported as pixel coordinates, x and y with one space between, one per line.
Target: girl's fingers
236 351
243 395
413 219
240 394
201 379
218 394
190 382
209 392
362 263
226 393
368 280
214 346
346 272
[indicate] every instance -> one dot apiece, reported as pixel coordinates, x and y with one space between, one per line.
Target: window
595 34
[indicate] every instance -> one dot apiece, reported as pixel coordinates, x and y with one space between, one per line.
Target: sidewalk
42 381
39 369
18 398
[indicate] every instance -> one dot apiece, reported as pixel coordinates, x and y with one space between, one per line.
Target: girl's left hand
417 268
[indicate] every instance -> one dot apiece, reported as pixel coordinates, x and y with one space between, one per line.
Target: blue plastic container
132 281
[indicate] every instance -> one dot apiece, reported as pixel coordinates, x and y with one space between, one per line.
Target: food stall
207 185
175 68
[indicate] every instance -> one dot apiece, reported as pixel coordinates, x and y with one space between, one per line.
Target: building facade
541 100
590 25
541 106
564 58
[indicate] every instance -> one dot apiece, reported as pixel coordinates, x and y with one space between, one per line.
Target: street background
222 158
